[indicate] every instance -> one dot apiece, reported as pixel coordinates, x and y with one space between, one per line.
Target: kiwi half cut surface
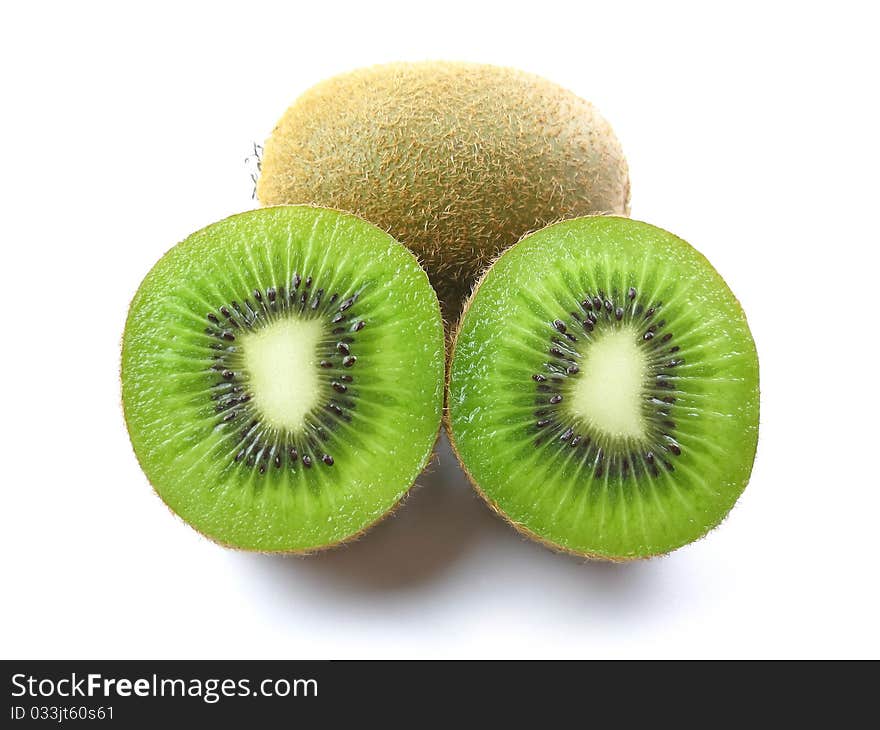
603 392
282 377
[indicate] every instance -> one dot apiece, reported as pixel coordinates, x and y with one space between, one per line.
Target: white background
751 132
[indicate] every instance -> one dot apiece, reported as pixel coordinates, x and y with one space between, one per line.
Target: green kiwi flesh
456 160
282 377
603 393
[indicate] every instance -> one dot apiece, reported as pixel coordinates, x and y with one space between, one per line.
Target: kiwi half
456 160
282 377
603 392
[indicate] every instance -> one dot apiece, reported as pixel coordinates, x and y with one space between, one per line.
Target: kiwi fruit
603 393
456 160
282 377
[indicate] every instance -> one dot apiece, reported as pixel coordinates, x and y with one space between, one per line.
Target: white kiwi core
281 361
608 393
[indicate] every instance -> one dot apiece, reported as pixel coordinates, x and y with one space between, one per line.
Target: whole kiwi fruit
456 160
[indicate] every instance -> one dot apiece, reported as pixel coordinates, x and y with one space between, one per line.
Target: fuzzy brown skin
455 160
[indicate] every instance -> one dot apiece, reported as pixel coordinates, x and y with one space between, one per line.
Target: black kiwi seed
346 304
